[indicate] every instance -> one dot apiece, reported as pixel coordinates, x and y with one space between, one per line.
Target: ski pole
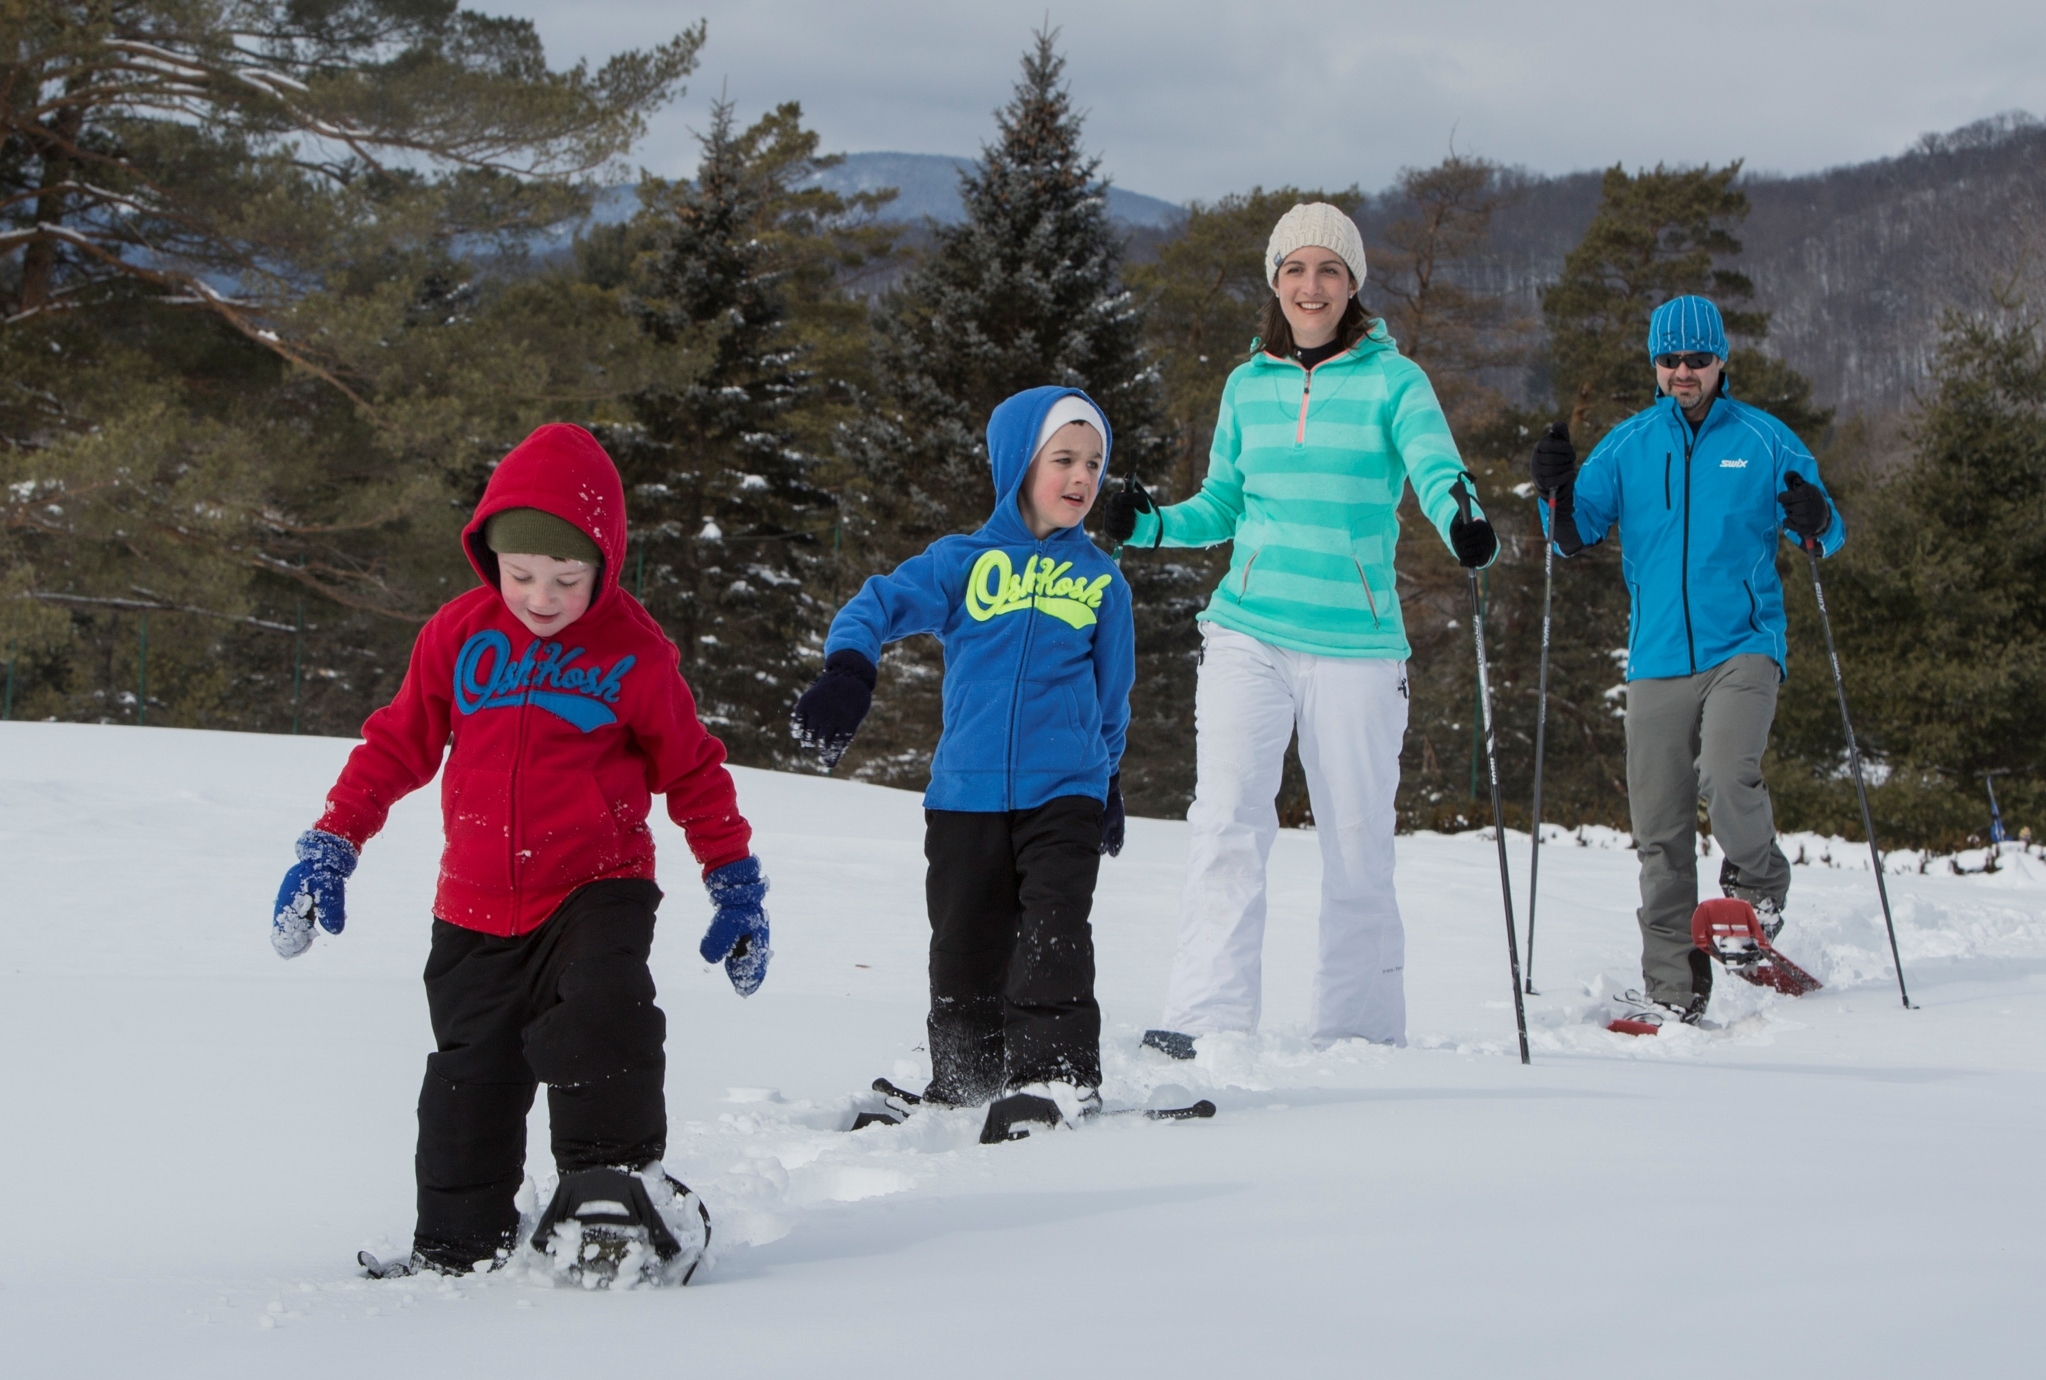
1811 552
1534 861
1461 492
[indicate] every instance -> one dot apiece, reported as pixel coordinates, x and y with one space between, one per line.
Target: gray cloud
1201 97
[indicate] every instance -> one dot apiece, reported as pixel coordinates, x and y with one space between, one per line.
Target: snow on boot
1768 910
615 1226
1039 1104
1641 1014
1011 1117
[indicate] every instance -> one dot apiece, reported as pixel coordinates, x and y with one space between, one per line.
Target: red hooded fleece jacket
558 744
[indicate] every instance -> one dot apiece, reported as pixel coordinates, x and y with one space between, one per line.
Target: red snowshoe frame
1728 930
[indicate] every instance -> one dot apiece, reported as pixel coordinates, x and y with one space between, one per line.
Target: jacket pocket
1050 733
1243 587
1633 624
976 731
569 832
1369 598
475 807
1754 608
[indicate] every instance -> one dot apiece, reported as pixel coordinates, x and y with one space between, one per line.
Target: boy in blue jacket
1024 796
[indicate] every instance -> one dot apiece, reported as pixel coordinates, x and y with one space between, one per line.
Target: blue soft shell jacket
1040 649
1699 526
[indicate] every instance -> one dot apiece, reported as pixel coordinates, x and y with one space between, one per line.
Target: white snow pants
1352 716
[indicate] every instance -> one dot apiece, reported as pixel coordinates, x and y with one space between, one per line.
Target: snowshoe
1010 1118
437 1260
1170 1043
609 1227
1641 1014
1767 911
1731 931
397 1267
896 1106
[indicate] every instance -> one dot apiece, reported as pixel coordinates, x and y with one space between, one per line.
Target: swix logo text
1733 464
546 677
995 588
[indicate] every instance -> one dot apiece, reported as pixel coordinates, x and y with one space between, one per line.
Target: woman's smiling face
1314 285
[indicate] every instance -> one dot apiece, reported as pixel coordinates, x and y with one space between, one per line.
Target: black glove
1124 504
1112 818
832 709
1804 508
1555 459
1473 541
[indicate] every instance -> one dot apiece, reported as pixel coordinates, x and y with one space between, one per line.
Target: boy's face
1063 480
543 593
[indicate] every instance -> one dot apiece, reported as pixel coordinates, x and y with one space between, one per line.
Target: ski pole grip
1793 482
1460 491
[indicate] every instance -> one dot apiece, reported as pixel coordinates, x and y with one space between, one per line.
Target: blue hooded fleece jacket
1040 648
1699 526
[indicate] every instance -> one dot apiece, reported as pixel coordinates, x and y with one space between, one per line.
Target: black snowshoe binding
1641 1014
1013 1117
1768 914
438 1260
897 1104
615 1227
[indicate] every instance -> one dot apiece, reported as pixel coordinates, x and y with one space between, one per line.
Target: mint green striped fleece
1307 483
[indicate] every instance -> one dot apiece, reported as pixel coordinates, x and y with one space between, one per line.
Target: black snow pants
1012 954
570 1005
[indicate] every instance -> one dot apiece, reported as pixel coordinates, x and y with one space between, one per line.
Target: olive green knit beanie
530 532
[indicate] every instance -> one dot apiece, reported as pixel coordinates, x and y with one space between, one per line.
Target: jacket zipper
1754 608
1306 387
1365 580
1243 590
511 824
1666 505
1016 698
1684 576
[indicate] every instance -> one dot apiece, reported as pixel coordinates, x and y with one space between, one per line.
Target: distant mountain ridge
1856 265
928 186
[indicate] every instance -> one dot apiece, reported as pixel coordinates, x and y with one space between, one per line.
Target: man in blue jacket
1040 653
1702 488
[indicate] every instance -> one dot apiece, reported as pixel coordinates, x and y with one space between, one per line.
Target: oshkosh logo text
547 678
994 588
1733 464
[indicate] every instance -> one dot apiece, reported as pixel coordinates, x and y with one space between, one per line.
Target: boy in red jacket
563 708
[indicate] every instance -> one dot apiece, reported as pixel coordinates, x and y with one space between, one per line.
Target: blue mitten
314 888
738 932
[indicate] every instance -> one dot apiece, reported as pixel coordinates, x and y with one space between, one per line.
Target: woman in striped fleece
1320 431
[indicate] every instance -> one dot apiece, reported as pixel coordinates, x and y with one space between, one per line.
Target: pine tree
1026 291
730 520
1938 602
1656 235
267 311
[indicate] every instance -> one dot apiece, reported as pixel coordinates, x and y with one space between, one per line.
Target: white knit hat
1319 224
1071 408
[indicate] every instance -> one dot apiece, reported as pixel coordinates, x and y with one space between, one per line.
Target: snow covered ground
198 1137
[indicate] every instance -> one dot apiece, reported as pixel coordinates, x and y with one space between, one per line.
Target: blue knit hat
1686 325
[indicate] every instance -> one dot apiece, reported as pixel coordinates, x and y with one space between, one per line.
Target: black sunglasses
1693 361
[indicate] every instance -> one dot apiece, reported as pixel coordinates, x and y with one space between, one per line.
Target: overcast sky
1202 97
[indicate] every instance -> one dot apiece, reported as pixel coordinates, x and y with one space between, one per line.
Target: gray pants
1690 737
